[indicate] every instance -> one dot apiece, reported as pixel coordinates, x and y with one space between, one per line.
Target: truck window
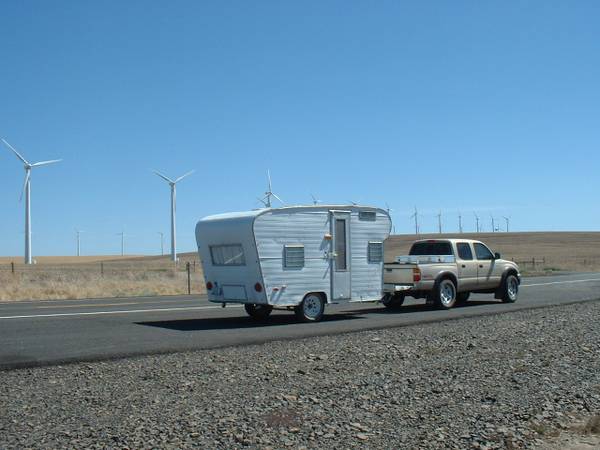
464 251
482 252
431 248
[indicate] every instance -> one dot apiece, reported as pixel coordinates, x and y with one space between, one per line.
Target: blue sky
474 106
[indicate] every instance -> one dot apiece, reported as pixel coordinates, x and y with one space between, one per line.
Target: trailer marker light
209 286
258 287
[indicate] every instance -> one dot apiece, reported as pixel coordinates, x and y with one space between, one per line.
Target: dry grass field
70 277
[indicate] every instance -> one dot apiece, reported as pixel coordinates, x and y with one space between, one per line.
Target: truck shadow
231 323
421 307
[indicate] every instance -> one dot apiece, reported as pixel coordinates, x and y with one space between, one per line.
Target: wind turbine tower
460 228
27 192
476 222
439 216
122 234
172 183
314 199
162 242
416 217
507 219
493 224
78 233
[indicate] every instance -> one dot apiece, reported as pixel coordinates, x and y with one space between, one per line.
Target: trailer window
375 252
340 244
227 255
293 256
431 248
367 215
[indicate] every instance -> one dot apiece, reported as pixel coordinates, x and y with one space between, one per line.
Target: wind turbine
493 224
172 183
389 210
27 192
78 234
416 217
507 219
162 242
477 221
266 200
460 228
122 234
439 216
315 200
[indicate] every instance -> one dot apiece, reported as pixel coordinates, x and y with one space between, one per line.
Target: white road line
560 282
130 311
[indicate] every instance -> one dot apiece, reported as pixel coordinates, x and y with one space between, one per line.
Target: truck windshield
431 248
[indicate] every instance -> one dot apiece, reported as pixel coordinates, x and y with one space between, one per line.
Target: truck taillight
416 275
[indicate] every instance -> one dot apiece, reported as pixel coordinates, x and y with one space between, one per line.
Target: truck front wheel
445 294
511 289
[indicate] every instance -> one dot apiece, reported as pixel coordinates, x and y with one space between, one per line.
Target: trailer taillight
416 274
209 286
258 287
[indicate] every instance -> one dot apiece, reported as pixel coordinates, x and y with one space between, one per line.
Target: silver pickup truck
446 271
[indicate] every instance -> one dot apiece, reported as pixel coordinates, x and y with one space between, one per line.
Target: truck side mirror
497 255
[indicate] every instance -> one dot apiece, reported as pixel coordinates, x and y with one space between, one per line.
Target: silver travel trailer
298 258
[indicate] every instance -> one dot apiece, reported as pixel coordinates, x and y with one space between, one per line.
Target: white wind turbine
266 200
172 183
27 192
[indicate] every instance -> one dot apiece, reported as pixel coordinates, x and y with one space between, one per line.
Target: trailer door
340 255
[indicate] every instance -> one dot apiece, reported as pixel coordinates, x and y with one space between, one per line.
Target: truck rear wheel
311 309
445 294
257 311
392 301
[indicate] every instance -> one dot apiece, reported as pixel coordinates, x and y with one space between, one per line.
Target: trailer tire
510 290
462 297
311 308
444 293
392 301
258 311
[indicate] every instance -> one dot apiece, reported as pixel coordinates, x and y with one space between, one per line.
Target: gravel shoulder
528 379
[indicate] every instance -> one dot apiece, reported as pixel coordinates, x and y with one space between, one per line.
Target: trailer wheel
392 301
511 289
445 294
311 309
258 312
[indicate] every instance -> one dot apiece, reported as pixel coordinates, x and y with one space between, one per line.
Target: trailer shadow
236 323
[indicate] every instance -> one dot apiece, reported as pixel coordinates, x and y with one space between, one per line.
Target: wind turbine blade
275 195
25 184
177 180
167 179
262 201
15 151
43 163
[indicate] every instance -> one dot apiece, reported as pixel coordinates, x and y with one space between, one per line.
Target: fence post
101 268
533 262
187 266
194 266
12 267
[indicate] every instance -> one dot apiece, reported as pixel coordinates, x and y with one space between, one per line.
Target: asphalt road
49 332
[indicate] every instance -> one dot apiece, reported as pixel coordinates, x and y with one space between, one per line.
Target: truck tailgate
398 277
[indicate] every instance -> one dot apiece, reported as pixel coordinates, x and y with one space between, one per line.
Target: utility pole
439 216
